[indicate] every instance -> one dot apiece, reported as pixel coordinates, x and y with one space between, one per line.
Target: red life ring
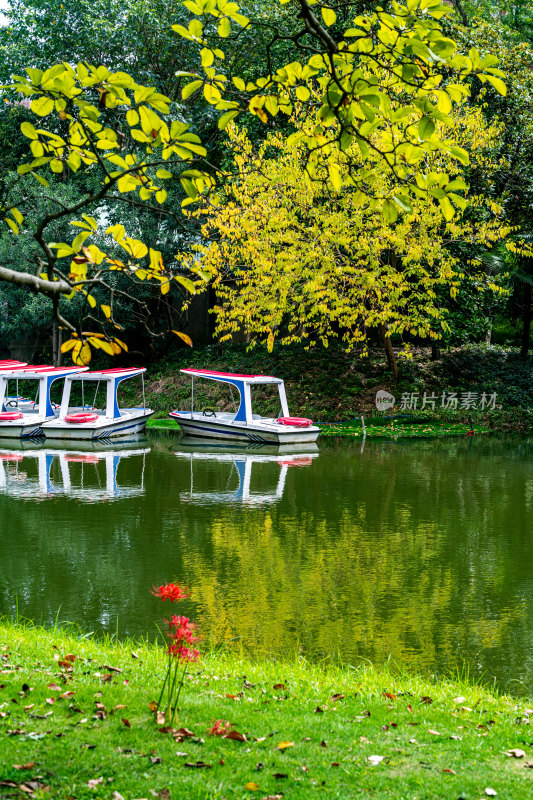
9 416
297 422
81 417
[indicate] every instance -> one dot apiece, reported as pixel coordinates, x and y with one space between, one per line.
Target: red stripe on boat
194 371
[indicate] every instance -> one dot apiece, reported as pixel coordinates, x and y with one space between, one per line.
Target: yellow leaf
101 344
156 260
68 345
107 310
329 16
186 339
284 745
42 106
165 287
251 786
81 356
120 344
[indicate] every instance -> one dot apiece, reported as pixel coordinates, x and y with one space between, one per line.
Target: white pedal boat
243 425
85 422
26 420
16 401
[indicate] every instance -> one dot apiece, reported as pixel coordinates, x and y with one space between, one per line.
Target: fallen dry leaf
374 760
336 697
450 771
30 787
182 733
516 753
251 786
235 735
490 792
65 695
319 710
434 733
29 765
127 723
278 686
117 796
70 657
94 782
160 718
410 708
198 765
153 706
390 695
426 700
280 776
284 745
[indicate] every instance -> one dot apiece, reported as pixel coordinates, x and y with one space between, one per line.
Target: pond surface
421 551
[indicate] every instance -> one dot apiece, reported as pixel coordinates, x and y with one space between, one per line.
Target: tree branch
34 282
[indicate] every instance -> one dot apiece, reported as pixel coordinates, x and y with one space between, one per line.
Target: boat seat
297 422
10 416
81 417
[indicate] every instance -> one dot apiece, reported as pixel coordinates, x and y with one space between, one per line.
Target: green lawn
75 722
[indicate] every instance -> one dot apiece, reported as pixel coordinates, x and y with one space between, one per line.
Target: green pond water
417 551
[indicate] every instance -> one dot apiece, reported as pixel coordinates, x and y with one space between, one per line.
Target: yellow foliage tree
294 260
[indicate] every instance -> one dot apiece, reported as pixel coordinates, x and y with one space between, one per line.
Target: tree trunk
57 355
526 330
391 356
460 8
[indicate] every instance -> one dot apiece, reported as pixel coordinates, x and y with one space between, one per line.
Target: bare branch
34 282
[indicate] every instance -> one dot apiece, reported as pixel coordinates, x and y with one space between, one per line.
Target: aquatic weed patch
75 722
406 431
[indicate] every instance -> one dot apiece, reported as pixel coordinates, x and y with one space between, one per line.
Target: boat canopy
9 363
45 374
242 383
112 377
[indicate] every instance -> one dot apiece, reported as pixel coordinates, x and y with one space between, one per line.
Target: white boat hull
260 432
30 426
129 424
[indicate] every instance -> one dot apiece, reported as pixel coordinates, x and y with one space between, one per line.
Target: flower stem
179 691
163 686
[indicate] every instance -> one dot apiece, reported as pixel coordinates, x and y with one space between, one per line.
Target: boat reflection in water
85 471
241 487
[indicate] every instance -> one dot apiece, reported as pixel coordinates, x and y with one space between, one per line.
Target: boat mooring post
363 424
192 393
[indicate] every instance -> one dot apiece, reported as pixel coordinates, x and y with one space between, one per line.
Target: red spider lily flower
170 591
220 728
181 629
182 653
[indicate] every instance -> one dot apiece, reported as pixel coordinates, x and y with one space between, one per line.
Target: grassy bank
332 386
75 723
